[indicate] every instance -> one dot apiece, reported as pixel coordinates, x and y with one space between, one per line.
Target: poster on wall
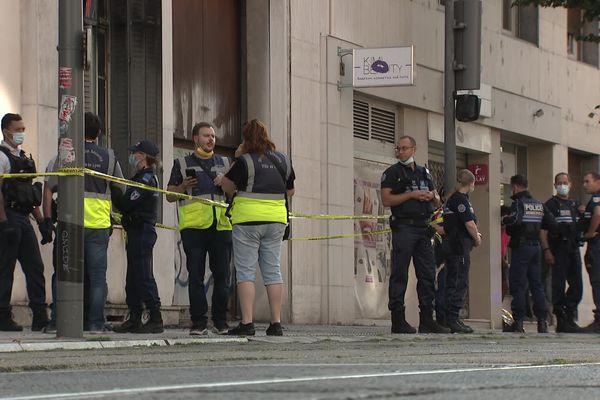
372 255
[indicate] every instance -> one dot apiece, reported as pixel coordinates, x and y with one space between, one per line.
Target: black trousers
592 265
412 242
197 243
525 268
23 246
140 285
566 269
457 278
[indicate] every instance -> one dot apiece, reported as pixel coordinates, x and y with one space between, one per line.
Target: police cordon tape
86 171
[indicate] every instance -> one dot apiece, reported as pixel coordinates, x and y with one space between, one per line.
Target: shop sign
387 66
481 173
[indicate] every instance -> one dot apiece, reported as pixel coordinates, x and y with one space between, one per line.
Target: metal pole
449 109
69 265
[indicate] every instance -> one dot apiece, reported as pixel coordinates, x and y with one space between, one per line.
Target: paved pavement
316 362
37 341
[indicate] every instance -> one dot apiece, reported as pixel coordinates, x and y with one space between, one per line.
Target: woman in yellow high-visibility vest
261 180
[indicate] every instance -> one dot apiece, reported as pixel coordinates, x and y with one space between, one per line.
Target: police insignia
596 199
134 195
462 208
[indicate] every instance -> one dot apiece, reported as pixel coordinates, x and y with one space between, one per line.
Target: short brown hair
200 125
413 142
594 175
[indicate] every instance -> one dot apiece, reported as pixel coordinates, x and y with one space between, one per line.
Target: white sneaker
197 331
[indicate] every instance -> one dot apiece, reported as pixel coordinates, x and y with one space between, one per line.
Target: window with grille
373 122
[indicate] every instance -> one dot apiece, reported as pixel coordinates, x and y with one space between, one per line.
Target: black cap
145 146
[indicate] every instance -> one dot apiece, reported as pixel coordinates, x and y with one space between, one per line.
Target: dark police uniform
523 226
564 244
20 198
592 255
411 236
139 208
458 244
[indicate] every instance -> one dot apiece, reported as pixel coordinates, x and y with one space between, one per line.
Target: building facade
162 65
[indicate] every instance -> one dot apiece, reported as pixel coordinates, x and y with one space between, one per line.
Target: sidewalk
36 341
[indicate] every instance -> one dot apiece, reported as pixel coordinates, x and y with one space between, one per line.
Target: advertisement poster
372 253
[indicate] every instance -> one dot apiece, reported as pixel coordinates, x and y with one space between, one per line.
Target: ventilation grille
373 122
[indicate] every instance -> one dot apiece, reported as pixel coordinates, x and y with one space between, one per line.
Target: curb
110 344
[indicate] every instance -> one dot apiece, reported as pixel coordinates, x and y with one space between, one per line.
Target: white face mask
18 138
562 190
407 162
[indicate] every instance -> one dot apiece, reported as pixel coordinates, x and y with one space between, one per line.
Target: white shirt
4 161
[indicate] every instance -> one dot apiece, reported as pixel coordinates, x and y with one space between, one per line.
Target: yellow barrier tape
350 235
123 181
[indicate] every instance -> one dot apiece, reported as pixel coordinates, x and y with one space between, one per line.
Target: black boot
457 326
130 324
154 324
428 325
516 327
570 320
8 324
594 327
565 323
39 320
399 324
542 325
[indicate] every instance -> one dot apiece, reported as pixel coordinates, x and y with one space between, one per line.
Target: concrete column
543 162
257 59
485 276
10 72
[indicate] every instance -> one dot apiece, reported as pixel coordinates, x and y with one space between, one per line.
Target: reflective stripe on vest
249 206
97 206
196 215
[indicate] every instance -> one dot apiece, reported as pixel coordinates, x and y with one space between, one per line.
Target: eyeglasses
404 148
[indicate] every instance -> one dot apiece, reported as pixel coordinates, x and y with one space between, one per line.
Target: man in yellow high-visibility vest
204 229
97 224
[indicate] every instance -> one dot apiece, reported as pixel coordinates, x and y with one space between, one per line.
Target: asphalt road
418 367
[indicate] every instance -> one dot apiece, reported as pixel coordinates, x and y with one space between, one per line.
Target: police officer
204 228
560 247
139 208
97 224
523 225
19 198
460 226
591 184
408 189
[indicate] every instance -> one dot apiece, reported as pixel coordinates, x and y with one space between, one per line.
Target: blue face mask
133 161
18 138
562 190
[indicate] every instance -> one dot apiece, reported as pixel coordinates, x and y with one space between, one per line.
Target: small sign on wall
481 173
387 66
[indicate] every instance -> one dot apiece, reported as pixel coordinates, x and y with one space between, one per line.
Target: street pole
69 263
449 108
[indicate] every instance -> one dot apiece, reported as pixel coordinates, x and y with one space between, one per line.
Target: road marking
154 389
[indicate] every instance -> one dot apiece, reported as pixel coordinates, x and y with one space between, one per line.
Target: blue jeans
95 248
260 244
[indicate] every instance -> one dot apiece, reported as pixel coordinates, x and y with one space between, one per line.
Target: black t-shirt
176 177
238 174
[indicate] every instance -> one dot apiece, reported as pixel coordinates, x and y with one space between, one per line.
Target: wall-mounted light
538 113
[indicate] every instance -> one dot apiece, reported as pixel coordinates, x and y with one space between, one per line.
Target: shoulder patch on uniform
134 195
462 208
596 199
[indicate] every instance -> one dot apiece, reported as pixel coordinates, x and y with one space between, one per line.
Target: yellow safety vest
196 215
97 206
253 206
